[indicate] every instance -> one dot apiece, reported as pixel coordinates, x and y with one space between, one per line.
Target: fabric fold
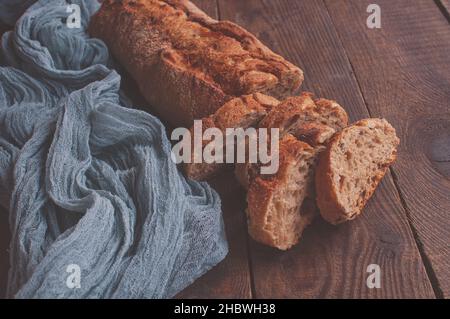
87 179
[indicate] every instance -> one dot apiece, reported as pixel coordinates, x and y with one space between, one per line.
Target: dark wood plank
209 6
445 4
404 72
231 278
3 29
330 262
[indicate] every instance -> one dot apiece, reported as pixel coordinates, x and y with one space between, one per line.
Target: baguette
243 112
277 210
185 63
352 166
313 121
294 112
314 134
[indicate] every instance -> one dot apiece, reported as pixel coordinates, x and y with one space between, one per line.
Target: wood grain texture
400 72
445 4
3 29
404 73
231 278
330 262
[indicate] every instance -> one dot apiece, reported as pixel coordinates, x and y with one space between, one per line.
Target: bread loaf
352 166
185 63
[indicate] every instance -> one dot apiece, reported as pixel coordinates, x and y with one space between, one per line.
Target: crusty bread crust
185 63
294 112
245 173
263 190
327 200
313 121
245 111
242 112
314 134
331 208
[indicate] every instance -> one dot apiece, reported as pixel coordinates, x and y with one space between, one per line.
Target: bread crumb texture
352 166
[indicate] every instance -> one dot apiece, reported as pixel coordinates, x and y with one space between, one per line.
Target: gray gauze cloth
88 181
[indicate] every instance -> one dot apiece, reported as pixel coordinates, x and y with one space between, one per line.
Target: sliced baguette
310 120
243 112
277 211
314 134
352 166
185 63
295 112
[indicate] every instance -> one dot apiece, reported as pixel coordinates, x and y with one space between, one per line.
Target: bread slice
310 120
277 211
294 113
243 112
186 63
245 173
352 166
314 134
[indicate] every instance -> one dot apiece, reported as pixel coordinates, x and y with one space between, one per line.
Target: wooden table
400 72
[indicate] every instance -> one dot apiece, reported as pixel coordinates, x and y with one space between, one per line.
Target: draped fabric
88 180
